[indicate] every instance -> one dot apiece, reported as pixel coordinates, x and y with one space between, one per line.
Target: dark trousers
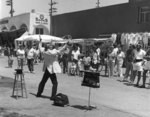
44 80
144 76
30 64
129 68
65 65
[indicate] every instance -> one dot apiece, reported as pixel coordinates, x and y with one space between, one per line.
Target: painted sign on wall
41 19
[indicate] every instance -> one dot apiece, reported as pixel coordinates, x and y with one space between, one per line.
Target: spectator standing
137 65
111 61
10 55
104 59
119 61
30 58
95 54
64 60
98 50
87 61
76 53
94 65
20 56
129 63
146 67
81 65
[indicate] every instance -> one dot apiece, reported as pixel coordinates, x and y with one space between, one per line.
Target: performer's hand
69 42
40 38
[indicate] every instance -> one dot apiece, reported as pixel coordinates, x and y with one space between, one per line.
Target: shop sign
41 19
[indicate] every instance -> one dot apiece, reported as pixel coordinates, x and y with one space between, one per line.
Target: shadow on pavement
128 84
82 107
104 76
6 82
42 96
13 114
8 67
119 80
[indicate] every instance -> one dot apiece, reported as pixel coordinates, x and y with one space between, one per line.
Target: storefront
33 22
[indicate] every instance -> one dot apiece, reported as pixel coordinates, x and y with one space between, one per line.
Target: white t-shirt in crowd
75 54
31 53
20 53
139 54
98 51
115 50
120 56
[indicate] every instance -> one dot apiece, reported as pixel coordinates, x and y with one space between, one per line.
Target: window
39 31
24 26
144 14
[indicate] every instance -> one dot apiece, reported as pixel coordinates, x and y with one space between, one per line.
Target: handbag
61 100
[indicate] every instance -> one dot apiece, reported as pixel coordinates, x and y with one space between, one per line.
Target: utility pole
51 11
98 4
10 3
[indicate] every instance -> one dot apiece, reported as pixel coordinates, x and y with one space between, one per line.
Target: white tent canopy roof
45 38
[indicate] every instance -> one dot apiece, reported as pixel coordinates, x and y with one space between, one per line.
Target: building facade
133 16
33 22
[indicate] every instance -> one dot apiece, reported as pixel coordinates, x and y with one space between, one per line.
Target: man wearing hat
51 67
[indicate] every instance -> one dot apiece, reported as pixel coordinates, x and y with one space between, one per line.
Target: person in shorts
139 54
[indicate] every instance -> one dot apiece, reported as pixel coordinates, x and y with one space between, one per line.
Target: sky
63 6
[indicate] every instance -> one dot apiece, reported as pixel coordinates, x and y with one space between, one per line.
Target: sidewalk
113 99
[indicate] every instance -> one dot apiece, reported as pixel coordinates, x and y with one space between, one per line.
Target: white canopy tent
45 38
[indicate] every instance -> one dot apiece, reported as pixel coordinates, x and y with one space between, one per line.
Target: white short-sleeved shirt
140 54
75 54
120 56
20 53
31 53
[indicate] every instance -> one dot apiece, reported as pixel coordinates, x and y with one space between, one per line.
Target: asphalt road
113 99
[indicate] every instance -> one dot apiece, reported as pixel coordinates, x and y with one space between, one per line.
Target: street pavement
113 99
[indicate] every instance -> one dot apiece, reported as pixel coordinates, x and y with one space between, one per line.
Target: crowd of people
74 61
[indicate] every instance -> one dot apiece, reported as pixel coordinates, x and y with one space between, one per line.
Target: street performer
51 67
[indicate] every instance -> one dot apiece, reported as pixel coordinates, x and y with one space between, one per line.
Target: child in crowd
94 66
73 68
81 65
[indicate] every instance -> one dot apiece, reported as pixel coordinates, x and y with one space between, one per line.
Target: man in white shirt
20 56
76 53
137 65
30 58
50 67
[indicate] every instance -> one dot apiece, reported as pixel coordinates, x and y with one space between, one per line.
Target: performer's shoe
38 95
143 86
52 98
136 85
